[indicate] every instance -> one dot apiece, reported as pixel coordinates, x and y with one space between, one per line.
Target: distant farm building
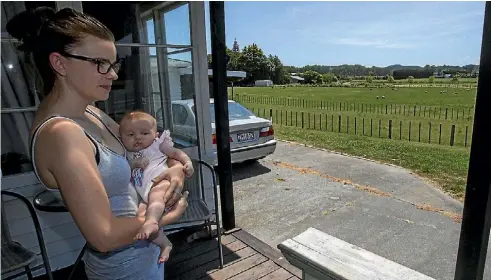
296 79
263 83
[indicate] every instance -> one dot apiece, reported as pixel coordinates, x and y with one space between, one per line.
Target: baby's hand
188 169
139 163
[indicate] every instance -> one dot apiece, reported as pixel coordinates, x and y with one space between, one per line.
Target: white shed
263 83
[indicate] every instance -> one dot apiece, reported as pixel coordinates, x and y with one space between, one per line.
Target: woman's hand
175 175
172 215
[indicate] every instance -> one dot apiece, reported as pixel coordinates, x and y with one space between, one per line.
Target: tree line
256 64
260 66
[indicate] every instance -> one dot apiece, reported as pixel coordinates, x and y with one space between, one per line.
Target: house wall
63 240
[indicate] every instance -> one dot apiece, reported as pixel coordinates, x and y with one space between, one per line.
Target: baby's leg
155 210
165 246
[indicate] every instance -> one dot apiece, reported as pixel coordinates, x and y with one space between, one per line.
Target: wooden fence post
390 129
452 135
466 130
419 132
339 122
409 131
429 133
400 130
302 120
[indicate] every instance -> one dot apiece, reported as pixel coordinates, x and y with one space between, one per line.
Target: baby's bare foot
164 254
149 228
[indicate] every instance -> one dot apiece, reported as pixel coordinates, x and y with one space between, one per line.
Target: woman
76 148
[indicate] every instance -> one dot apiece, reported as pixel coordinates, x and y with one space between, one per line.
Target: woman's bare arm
73 166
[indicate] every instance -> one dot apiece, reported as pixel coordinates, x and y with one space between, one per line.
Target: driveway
381 208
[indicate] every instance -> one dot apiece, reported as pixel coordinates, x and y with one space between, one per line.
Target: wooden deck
245 257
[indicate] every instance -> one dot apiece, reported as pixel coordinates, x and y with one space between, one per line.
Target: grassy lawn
411 130
408 96
444 166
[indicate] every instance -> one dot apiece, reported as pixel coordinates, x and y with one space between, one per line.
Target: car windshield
235 112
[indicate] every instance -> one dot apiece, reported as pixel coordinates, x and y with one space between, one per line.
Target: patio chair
197 209
14 255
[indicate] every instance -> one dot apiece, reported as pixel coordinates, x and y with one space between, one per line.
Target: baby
147 156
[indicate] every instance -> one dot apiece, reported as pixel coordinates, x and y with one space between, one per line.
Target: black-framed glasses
103 66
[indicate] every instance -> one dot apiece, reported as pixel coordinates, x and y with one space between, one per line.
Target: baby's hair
139 115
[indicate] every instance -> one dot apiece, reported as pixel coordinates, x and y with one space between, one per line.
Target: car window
235 112
179 114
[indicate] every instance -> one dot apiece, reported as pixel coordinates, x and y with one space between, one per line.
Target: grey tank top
136 261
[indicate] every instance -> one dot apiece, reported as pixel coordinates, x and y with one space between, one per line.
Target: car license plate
245 137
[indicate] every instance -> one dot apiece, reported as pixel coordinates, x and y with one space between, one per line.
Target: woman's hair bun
26 25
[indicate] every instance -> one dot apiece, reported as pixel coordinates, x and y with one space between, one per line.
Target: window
179 114
19 95
154 41
235 112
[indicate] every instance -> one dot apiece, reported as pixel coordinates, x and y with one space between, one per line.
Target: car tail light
214 139
267 131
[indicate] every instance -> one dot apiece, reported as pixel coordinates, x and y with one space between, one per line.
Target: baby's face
137 134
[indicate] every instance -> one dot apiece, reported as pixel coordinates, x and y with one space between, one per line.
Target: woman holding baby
77 151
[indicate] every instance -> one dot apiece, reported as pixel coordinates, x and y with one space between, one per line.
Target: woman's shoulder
56 127
58 136
112 124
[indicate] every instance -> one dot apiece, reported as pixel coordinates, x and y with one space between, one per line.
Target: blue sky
333 33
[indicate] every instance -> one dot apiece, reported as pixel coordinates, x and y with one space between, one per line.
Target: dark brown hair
43 31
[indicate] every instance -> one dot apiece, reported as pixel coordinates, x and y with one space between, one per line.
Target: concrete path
384 209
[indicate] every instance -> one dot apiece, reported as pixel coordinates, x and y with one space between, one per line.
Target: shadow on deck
245 257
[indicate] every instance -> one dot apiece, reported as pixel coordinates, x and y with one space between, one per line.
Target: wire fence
413 131
430 112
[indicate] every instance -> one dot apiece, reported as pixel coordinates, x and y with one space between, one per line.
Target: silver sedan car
250 138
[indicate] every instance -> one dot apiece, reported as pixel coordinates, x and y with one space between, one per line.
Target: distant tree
410 79
255 63
329 78
369 79
431 79
232 58
312 77
278 71
455 79
390 79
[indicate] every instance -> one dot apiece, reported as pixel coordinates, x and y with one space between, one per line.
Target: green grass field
410 96
428 153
